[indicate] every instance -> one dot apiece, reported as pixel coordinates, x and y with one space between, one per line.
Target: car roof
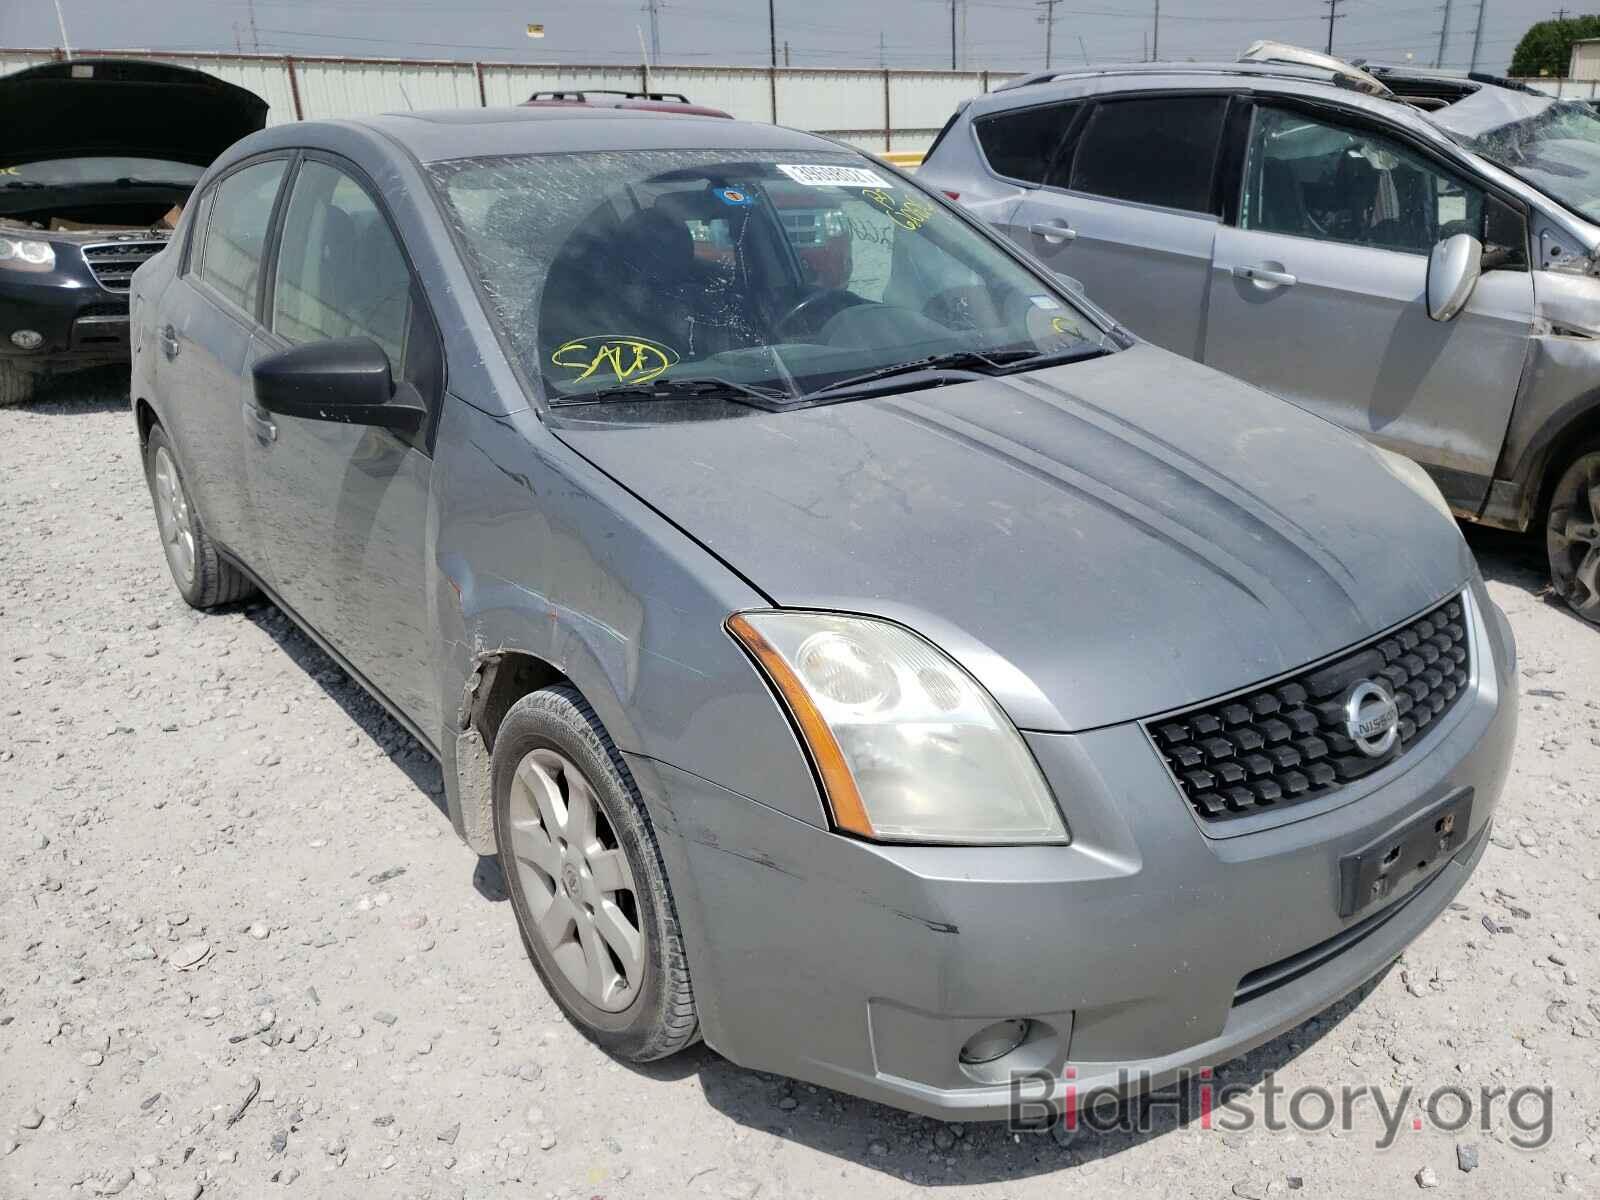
564 128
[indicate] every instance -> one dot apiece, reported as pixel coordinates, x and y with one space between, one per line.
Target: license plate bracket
1378 870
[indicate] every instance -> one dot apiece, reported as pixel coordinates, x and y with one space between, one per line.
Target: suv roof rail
580 96
1343 73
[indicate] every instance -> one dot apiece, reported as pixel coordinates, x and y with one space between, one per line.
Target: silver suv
1410 254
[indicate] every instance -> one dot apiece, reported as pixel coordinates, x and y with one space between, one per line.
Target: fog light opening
995 1041
27 339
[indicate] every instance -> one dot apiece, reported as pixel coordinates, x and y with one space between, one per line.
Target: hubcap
1573 536
172 516
576 880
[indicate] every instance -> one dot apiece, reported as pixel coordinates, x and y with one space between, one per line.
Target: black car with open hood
91 185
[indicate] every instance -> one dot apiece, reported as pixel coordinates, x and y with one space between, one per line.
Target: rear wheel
1572 534
205 579
586 880
16 385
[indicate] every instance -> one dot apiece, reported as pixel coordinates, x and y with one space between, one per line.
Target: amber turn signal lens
839 787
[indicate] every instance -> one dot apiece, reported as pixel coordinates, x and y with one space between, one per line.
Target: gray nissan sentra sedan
860 652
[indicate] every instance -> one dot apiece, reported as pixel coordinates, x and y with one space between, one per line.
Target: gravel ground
241 949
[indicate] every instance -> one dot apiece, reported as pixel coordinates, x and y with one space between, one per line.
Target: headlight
908 746
26 255
1414 477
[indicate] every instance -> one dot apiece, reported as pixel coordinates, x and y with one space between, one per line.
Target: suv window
1158 150
340 269
1312 179
230 257
1021 143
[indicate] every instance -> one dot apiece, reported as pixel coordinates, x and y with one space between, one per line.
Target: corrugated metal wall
877 110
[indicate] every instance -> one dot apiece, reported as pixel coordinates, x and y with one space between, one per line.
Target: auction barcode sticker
818 175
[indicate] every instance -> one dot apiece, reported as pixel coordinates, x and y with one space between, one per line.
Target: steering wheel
809 306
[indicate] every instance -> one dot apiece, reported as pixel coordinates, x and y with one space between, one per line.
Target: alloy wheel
1572 536
172 516
576 880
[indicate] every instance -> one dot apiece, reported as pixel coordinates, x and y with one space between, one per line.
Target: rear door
203 332
1319 293
1019 146
343 509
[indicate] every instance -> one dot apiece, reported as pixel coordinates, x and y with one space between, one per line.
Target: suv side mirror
1453 270
347 380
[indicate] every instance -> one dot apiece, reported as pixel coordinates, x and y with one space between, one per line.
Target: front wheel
1572 534
205 579
585 878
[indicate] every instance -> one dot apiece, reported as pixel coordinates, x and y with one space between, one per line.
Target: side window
1161 150
1315 180
340 270
230 256
1021 143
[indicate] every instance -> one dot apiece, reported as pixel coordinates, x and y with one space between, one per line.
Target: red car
674 102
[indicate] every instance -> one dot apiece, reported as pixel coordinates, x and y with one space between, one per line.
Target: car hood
1095 542
123 107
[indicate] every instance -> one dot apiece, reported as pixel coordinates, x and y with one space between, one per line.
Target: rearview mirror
1453 270
347 380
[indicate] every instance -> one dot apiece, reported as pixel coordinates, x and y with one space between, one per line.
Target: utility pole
772 29
255 37
653 7
1049 20
1084 46
1155 36
1333 15
1444 35
785 52
952 35
883 50
1477 37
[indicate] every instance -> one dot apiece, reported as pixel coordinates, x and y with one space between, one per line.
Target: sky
994 34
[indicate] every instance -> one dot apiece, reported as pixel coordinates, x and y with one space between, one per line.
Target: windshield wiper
140 181
704 387
994 363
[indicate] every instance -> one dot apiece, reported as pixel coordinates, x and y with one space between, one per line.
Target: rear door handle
1054 232
1265 275
263 426
169 342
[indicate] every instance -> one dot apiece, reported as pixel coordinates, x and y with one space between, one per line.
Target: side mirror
1453 270
347 380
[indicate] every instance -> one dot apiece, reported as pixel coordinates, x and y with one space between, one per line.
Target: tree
1546 49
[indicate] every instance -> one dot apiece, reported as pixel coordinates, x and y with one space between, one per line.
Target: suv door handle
1265 275
258 423
1054 232
169 342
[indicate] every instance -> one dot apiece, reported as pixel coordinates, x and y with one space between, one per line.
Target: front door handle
169 342
1054 232
1265 275
258 423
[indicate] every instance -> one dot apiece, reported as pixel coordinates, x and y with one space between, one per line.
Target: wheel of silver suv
1572 535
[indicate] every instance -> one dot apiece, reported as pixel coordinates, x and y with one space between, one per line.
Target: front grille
1286 743
111 308
113 263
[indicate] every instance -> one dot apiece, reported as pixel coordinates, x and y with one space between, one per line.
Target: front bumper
865 967
81 322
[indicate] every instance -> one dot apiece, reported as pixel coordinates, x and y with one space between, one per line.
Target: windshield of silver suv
765 280
1553 144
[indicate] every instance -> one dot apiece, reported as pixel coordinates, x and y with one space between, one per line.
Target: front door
1320 295
343 509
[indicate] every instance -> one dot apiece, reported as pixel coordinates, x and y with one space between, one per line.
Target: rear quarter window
1022 143
1158 150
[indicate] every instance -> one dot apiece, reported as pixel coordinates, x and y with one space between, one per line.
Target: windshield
1552 144
71 172
772 277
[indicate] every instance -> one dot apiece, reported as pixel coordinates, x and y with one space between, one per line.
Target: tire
1572 533
205 579
577 899
16 385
